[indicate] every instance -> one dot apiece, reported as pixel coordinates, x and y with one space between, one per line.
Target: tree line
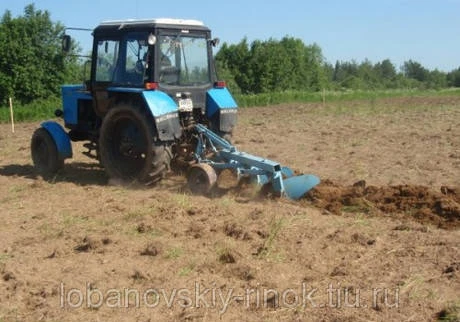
289 64
33 67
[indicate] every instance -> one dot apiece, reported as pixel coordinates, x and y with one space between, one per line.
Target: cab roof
142 24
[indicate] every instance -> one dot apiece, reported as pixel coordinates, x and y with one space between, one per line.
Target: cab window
107 57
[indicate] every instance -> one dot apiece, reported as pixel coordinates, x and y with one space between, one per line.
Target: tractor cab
170 55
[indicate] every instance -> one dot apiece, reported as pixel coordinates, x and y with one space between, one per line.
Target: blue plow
214 154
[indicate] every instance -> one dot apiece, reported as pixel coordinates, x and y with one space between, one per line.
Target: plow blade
296 187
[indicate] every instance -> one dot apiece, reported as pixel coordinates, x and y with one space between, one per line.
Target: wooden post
324 96
11 115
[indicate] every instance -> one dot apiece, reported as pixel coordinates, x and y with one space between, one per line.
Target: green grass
134 215
182 200
4 258
275 227
185 271
450 313
174 253
266 99
70 221
362 220
36 111
48 231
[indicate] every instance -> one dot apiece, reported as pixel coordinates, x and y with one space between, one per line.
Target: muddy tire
45 155
126 146
161 162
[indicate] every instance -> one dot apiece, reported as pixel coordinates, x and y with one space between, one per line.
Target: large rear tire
126 146
161 162
45 155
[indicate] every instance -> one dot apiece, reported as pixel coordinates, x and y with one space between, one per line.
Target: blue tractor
153 100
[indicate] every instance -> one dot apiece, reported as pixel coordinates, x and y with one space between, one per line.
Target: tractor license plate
186 105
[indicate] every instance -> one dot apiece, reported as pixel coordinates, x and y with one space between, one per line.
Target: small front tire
45 155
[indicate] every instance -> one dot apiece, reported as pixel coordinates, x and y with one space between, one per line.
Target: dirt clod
138 276
243 272
338 271
106 241
453 192
362 239
193 211
441 209
87 244
150 250
236 231
227 258
452 269
143 228
52 255
8 276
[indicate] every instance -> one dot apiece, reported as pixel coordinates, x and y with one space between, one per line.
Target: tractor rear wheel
126 146
45 155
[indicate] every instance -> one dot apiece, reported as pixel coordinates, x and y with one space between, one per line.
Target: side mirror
66 43
215 42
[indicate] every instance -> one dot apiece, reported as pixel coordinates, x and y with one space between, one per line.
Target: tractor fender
162 108
221 109
218 99
60 137
165 113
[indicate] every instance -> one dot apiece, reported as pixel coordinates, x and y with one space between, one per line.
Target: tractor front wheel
127 150
45 155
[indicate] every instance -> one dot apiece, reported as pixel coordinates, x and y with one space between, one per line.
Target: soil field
377 240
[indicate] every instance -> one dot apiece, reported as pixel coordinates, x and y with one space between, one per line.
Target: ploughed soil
420 203
377 240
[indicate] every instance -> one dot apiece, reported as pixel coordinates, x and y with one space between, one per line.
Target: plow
153 100
281 180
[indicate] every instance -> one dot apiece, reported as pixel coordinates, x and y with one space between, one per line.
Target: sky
426 31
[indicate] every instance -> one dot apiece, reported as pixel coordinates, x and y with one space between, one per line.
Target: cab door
106 68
